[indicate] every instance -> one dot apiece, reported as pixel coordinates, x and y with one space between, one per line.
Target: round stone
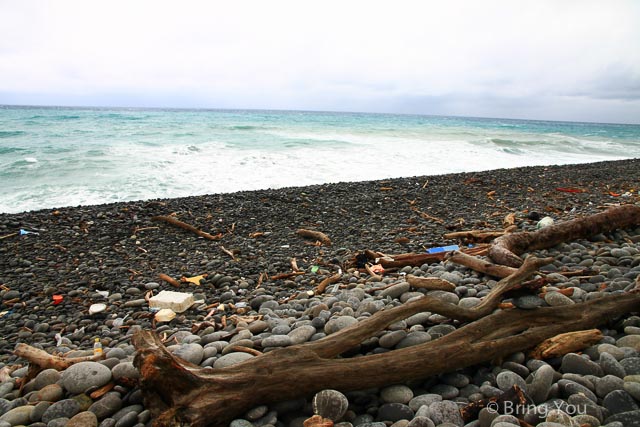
83 419
301 334
192 353
18 416
277 341
108 405
63 409
507 379
576 364
394 412
231 359
45 378
555 299
337 323
539 387
396 394
445 412
84 375
50 393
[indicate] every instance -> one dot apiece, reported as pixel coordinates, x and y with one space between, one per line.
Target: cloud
421 57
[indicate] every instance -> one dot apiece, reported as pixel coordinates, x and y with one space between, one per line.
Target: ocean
54 157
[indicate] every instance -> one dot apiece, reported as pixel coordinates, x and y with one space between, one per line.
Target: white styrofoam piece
176 301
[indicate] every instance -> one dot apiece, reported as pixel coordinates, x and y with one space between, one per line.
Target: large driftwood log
505 249
179 393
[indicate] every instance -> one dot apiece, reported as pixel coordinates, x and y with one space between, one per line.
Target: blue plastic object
443 249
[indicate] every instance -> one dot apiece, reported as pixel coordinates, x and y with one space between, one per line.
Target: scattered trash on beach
165 315
545 222
196 280
440 249
571 190
97 308
176 301
57 299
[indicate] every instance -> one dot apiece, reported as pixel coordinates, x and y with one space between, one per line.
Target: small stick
185 226
294 265
286 275
169 280
243 349
317 235
326 282
8 235
372 273
228 252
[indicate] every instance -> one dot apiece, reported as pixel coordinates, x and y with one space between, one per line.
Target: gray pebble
84 375
445 412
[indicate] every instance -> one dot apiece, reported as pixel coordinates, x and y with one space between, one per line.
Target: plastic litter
57 299
165 315
25 232
545 222
97 308
103 293
97 347
315 269
118 321
176 301
439 249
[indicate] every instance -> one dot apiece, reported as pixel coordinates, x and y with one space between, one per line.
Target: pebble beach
247 295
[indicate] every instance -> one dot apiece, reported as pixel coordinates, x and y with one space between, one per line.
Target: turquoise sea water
59 156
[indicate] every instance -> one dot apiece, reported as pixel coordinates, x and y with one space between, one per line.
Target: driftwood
480 265
315 235
326 282
178 393
431 283
566 343
479 235
40 360
177 223
505 249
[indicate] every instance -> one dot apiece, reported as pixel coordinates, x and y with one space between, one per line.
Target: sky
574 60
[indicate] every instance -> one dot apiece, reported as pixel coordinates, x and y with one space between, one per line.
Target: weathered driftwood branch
40 360
177 393
315 235
431 283
566 343
505 249
416 260
479 235
177 223
326 282
480 265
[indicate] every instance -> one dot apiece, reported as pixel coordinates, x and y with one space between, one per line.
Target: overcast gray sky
543 59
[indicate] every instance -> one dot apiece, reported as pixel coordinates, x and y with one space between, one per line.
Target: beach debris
545 222
330 404
571 190
439 249
228 252
509 220
169 280
165 315
374 273
282 276
569 342
426 216
479 235
316 235
196 280
317 421
176 301
97 308
326 282
57 299
430 283
490 334
505 249
177 223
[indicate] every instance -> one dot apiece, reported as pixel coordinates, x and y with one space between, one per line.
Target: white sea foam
110 156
